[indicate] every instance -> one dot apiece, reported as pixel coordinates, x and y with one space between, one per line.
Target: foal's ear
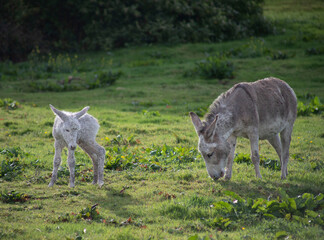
196 122
59 113
82 112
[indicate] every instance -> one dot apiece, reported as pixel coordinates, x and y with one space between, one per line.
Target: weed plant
214 67
13 196
9 104
313 105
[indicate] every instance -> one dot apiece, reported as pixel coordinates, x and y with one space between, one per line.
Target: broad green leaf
281 234
292 203
233 195
269 215
223 205
319 197
227 223
311 213
315 101
194 237
258 202
283 194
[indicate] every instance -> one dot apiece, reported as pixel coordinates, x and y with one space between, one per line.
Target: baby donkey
70 130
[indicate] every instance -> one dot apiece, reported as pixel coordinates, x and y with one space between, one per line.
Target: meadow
156 183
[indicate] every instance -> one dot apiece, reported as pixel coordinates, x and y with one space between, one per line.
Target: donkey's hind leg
254 141
285 137
276 144
97 155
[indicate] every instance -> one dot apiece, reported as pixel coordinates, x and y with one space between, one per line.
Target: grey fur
70 130
258 110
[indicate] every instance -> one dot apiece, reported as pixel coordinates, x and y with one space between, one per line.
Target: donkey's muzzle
72 148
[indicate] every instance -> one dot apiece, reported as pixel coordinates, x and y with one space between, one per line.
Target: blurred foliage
309 104
97 24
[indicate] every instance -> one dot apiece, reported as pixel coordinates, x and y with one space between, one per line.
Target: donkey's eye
67 130
210 154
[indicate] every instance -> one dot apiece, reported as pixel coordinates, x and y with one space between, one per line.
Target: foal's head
213 147
70 126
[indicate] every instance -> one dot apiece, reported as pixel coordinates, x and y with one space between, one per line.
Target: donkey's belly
271 128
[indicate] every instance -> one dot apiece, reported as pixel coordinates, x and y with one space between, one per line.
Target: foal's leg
57 161
285 137
276 144
71 163
90 151
97 155
254 141
232 142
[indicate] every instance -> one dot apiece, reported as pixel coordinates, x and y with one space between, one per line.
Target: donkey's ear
210 131
59 113
81 113
196 122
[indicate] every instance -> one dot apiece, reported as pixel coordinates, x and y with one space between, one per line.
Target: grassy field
156 184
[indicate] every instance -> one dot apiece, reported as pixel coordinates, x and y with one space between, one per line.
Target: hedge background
75 25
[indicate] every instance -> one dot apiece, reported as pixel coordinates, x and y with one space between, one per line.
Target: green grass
149 104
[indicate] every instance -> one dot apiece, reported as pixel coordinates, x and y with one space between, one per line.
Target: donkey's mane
214 108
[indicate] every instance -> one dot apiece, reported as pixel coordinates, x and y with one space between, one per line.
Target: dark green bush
102 79
18 35
215 67
279 55
314 51
108 78
93 25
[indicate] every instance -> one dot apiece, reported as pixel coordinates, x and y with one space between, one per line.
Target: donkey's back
269 104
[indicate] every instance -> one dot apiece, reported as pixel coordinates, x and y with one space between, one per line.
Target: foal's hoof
227 178
50 184
100 184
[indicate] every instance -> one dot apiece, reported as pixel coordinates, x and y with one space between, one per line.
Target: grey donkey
70 130
265 109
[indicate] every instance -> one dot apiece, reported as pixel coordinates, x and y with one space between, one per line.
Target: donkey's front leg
254 141
228 173
71 163
56 162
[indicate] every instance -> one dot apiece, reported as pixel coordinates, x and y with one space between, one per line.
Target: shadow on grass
255 188
115 200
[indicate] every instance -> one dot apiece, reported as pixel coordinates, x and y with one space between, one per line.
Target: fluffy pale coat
265 109
70 130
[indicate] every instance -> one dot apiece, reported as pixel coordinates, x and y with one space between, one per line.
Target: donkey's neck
225 124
